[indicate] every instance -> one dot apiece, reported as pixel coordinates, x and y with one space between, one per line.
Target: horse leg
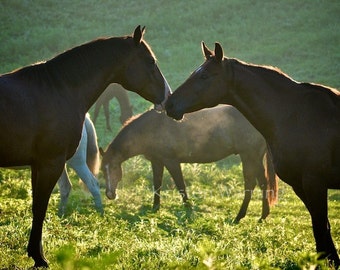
315 199
174 169
96 112
263 183
44 178
91 182
107 114
249 186
157 171
64 189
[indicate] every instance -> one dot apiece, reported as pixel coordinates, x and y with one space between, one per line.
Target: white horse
85 162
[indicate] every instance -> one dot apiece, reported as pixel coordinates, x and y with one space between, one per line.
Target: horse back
204 136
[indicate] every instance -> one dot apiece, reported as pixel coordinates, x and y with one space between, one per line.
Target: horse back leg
64 190
96 111
107 114
174 168
264 184
44 178
314 196
249 185
91 183
157 171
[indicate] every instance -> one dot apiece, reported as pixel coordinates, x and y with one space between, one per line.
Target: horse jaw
167 93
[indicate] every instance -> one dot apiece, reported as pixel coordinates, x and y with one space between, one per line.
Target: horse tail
272 179
92 153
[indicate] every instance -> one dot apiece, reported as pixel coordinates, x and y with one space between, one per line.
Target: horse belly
207 152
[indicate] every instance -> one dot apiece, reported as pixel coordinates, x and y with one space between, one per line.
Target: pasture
300 37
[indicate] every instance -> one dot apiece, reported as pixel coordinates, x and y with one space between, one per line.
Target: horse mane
65 66
278 72
263 68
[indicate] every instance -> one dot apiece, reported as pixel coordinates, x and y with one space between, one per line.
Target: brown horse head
203 88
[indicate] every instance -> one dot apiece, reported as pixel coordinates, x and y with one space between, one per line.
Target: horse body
44 106
113 91
308 122
300 122
206 136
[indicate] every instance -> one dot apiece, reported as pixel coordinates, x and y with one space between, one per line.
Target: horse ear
138 34
101 151
218 52
207 53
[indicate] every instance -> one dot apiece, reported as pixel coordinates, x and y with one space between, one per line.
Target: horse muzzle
111 195
167 94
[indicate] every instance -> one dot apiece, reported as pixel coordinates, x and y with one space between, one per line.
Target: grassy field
300 37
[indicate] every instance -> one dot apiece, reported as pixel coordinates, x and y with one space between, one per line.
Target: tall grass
300 37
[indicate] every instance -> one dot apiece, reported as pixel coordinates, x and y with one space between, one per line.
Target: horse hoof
40 263
155 208
261 220
188 205
236 221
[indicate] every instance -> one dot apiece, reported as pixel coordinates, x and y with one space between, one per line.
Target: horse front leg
174 168
157 171
315 198
44 178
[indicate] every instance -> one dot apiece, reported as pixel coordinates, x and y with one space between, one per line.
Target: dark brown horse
300 122
205 136
113 91
43 107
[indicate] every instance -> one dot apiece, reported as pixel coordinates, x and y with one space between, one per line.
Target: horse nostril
110 195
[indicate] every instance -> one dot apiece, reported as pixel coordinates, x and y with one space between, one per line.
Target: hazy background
300 37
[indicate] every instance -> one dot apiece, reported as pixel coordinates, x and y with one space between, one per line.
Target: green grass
300 37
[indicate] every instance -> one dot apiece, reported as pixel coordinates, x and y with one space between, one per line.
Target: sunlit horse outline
300 122
43 107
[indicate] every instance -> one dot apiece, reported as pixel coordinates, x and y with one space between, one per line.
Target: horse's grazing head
112 172
205 86
141 73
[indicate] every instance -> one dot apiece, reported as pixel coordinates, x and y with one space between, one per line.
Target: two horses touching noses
43 107
300 122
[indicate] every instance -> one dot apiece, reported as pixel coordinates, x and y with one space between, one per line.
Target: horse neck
126 144
262 96
87 70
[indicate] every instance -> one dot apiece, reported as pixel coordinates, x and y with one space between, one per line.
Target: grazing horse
205 136
300 122
113 91
43 107
85 162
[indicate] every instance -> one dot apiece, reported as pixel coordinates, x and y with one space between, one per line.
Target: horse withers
43 107
300 122
205 136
